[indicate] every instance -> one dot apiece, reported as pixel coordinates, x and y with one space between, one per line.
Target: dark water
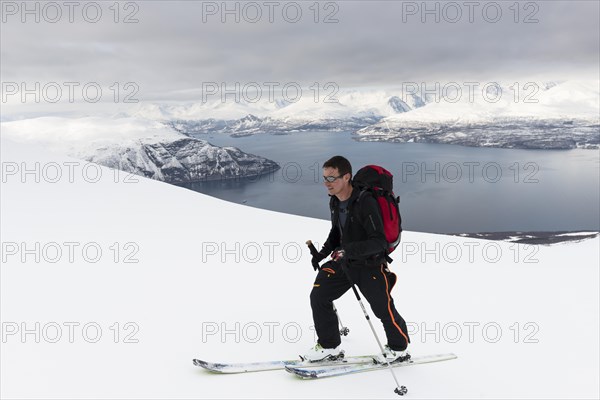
443 188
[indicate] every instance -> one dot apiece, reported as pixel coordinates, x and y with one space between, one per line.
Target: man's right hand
316 259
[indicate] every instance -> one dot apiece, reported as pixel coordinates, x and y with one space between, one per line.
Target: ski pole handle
312 248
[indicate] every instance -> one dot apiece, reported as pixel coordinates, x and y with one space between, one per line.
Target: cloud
176 46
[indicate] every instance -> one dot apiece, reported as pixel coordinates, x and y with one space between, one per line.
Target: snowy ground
523 320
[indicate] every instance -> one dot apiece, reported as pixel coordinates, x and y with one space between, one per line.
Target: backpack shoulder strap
333 201
363 192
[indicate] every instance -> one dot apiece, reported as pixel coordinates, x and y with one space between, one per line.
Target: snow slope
185 295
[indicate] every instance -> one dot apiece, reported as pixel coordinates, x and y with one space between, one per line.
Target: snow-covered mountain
252 124
183 160
398 105
504 132
109 290
139 146
559 116
335 105
351 110
539 115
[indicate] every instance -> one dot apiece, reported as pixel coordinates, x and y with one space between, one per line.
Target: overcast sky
176 46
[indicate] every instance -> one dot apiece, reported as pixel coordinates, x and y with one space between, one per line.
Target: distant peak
398 105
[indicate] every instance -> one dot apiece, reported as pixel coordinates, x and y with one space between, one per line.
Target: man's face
339 184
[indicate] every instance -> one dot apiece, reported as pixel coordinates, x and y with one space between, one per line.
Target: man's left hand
338 255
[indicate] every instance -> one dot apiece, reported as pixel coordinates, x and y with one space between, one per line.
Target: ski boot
318 353
392 356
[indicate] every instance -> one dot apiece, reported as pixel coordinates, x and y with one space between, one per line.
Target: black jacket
362 238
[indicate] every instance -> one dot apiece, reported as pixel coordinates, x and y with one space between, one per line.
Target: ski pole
343 330
400 390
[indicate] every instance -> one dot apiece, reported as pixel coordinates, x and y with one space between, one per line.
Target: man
357 239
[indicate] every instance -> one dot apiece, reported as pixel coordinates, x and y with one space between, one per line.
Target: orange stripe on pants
387 291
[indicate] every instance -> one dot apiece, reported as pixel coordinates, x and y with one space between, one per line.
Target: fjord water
443 188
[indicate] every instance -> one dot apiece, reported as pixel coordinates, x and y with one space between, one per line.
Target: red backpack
379 181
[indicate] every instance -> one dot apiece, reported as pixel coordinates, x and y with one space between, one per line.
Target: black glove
316 259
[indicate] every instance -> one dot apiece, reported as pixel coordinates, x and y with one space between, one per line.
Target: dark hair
340 163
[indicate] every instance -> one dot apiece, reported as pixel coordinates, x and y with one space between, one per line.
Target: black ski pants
375 284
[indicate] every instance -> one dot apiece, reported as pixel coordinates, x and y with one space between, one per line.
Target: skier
357 239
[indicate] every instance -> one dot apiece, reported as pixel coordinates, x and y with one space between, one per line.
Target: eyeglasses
331 179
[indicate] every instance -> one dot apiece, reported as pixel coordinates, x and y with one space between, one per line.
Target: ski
236 368
331 371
